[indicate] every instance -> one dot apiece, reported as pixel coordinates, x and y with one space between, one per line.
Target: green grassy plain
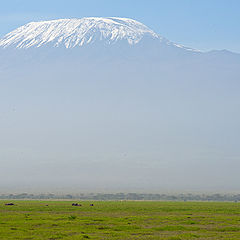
119 220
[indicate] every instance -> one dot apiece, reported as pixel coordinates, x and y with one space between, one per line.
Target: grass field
119 220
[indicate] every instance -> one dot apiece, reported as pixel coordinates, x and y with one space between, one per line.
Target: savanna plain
119 220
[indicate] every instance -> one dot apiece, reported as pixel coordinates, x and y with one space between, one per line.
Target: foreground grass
119 220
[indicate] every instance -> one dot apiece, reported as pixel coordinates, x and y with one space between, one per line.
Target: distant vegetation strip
128 196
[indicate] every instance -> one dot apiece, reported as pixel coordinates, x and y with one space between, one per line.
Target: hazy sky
201 24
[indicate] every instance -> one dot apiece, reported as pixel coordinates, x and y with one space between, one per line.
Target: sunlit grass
119 220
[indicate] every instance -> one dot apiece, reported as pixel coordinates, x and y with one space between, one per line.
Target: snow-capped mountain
109 102
72 33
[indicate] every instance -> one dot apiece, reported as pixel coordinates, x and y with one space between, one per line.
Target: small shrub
72 217
86 236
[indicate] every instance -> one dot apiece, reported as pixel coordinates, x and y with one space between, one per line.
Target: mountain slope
77 32
71 33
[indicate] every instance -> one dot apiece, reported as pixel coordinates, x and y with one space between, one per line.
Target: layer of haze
120 124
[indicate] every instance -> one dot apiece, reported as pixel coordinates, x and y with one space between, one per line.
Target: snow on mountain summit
77 32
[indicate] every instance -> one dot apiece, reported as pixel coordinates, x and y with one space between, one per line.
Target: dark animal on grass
9 204
91 205
76 205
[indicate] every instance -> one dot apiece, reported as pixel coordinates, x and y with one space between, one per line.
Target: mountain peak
71 33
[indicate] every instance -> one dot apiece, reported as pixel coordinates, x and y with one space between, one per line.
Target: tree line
127 196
